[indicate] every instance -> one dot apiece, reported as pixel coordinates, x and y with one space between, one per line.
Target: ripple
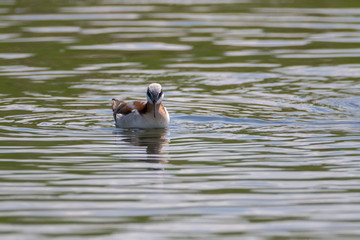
19 72
224 78
4 10
40 39
318 53
106 65
245 53
154 72
26 107
107 9
20 68
208 119
327 11
345 70
350 104
128 29
151 23
5 36
68 17
196 39
133 46
174 2
147 35
15 55
221 65
53 29
6 24
263 43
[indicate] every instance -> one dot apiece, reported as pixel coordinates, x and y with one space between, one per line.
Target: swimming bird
140 114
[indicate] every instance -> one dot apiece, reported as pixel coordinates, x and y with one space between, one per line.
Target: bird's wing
124 108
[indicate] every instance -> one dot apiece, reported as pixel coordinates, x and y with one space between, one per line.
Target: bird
142 114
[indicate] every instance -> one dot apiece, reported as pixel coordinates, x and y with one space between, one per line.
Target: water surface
264 104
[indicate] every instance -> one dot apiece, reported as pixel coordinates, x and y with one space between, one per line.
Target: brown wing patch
140 106
121 107
127 107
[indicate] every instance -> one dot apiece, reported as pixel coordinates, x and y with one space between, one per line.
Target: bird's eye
160 93
148 93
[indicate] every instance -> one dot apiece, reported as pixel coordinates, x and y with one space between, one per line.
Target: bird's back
138 114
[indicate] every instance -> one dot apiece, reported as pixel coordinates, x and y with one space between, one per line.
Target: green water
264 100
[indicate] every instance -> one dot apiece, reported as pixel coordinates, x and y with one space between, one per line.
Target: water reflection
152 139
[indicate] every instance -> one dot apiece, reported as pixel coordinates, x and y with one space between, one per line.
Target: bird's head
154 94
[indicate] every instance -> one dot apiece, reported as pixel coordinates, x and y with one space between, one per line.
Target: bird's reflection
153 139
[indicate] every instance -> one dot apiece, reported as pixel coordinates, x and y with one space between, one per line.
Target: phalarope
139 114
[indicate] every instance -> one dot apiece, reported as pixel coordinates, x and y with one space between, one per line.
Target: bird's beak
154 108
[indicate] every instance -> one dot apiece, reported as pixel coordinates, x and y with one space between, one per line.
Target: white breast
137 120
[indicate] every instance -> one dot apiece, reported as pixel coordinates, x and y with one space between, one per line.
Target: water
264 136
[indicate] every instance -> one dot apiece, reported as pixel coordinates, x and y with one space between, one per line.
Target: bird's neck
150 107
